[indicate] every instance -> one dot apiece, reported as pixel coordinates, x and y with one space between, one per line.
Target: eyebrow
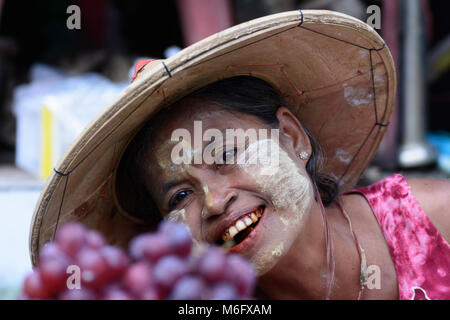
172 183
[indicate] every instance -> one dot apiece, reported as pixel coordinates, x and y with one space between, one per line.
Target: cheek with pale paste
177 216
270 253
291 196
287 186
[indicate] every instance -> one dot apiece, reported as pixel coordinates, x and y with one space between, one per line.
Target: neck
301 273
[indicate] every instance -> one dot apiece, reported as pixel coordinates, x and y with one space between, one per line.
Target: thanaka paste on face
288 187
177 216
171 161
290 191
208 196
278 251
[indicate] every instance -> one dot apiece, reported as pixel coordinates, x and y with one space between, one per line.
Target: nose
217 200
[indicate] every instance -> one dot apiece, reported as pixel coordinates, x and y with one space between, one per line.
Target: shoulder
433 195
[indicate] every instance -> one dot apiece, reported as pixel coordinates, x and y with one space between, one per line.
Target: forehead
182 116
212 116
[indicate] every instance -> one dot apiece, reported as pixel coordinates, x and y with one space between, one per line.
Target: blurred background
58 72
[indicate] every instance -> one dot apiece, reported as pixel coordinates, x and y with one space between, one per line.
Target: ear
292 133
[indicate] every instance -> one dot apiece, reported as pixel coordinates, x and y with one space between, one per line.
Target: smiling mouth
240 229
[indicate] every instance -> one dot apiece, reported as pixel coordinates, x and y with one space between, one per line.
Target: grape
93 268
168 270
212 264
188 288
116 260
166 227
117 294
54 274
150 294
137 246
223 291
94 240
138 278
157 265
180 240
156 247
77 294
150 246
53 263
70 238
34 287
241 273
51 251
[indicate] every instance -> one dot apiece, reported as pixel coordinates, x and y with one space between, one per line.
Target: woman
287 246
297 77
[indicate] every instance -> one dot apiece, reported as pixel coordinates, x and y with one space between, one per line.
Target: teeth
232 231
240 225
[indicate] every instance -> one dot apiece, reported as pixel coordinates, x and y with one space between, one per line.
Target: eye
229 156
178 197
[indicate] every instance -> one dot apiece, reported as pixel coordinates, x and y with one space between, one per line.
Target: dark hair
243 94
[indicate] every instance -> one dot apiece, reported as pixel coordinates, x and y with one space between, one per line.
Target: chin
270 242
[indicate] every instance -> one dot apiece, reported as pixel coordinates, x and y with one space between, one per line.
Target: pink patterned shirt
420 254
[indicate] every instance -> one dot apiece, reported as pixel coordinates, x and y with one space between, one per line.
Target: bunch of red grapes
160 265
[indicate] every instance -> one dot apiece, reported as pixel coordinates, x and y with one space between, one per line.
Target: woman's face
254 208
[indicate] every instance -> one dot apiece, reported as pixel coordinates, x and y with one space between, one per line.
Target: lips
240 228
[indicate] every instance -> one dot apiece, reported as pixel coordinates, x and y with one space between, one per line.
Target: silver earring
303 155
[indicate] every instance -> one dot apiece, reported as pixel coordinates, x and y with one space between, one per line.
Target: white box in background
52 110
